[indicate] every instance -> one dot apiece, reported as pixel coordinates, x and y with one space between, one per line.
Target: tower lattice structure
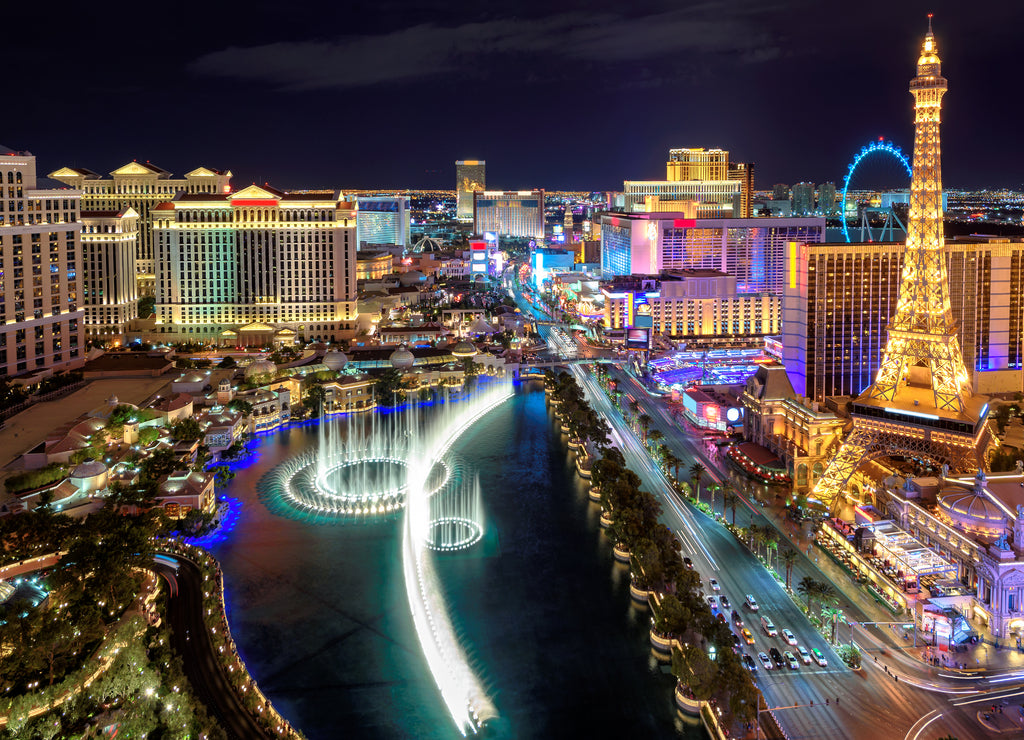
921 405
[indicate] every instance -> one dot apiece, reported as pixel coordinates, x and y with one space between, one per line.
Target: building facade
140 186
803 199
42 322
838 299
382 221
255 267
517 214
470 176
110 292
752 250
697 164
712 198
692 304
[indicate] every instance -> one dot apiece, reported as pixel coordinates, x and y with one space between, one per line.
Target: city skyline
389 101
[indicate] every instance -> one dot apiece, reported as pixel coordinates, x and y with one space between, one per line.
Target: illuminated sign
638 338
684 223
792 264
732 415
652 232
478 245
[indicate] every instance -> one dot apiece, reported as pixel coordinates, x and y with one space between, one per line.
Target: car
819 658
805 657
777 657
769 627
790 660
736 643
789 637
688 563
765 661
720 617
724 601
748 636
736 618
713 603
751 603
714 584
749 662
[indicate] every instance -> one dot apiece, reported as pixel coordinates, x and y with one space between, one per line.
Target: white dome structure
90 475
260 367
335 360
411 278
971 509
402 358
482 327
463 349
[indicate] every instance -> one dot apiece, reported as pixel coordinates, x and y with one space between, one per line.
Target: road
869 700
191 639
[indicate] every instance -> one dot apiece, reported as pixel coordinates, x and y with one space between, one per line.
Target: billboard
638 338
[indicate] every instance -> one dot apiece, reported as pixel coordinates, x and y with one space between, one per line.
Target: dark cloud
430 50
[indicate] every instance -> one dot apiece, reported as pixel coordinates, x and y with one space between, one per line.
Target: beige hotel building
140 185
41 318
110 291
256 267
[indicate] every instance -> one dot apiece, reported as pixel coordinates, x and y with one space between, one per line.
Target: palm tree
789 557
826 594
634 407
645 423
696 473
771 541
663 454
832 614
808 588
730 499
760 538
654 436
672 463
751 534
713 489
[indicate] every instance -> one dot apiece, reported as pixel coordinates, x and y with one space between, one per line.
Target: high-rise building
780 191
140 185
803 199
697 164
743 172
470 176
110 292
827 199
920 405
838 300
382 221
256 267
41 317
516 213
699 305
753 250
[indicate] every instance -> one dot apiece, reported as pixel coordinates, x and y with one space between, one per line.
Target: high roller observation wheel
886 148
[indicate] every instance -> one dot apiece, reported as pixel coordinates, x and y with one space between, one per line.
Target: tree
186 430
316 396
645 423
227 363
146 305
832 614
655 436
697 471
241 405
808 588
789 557
388 386
730 500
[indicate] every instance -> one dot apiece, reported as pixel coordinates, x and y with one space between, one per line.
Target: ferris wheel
879 165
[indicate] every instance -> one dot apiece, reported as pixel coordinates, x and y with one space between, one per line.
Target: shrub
32 479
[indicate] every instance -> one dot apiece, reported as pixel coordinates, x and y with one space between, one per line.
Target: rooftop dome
402 358
335 360
89 469
260 367
482 327
413 277
427 244
463 349
971 509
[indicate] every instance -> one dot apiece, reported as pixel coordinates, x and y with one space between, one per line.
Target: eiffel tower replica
921 405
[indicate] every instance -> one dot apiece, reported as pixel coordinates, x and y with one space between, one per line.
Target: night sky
560 95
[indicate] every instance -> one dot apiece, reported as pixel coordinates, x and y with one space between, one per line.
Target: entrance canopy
907 554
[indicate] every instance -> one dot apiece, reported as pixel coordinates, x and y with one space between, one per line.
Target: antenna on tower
930 22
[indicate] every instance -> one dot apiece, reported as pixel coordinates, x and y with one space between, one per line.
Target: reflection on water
320 615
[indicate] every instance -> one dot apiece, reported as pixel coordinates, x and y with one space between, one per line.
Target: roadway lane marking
987 697
922 728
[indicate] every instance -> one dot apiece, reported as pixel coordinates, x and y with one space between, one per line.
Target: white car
751 603
714 585
789 637
766 662
790 660
805 656
713 603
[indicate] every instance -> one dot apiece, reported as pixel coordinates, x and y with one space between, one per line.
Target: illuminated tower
921 405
